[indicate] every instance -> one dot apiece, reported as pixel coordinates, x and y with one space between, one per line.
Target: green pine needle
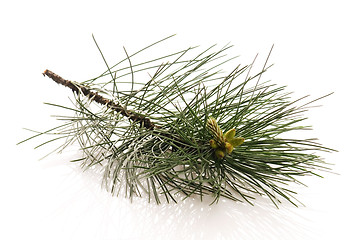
173 154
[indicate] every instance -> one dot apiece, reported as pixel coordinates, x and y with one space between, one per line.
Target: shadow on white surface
80 209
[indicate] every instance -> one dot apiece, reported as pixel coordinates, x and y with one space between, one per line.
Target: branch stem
77 88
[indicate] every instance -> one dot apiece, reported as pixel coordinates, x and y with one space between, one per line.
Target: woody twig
77 88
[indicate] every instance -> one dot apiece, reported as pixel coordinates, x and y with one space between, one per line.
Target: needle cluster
153 139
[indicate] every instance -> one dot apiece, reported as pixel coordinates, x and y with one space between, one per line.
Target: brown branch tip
77 88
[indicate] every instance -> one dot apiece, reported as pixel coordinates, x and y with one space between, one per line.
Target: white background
317 51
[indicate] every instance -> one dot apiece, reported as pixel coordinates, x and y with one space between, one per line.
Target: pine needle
153 140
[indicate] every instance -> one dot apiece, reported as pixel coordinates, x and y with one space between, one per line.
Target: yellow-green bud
236 141
222 143
219 153
230 134
213 144
228 147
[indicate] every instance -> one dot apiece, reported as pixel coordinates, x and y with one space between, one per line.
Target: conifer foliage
189 130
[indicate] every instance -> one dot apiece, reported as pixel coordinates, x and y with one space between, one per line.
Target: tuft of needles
189 130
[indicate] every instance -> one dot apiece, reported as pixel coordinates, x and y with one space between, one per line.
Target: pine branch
77 88
212 134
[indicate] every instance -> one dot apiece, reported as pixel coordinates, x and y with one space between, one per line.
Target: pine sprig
155 138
